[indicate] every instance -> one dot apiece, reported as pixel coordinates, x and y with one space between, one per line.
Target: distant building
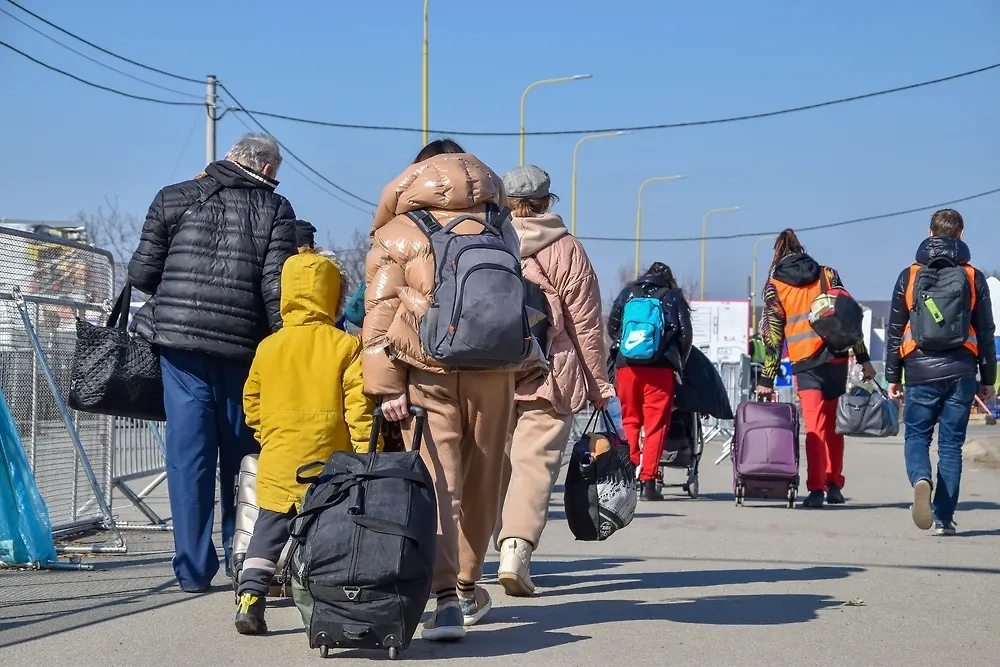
69 231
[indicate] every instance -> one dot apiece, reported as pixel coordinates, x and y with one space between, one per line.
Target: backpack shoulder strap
824 279
425 221
198 203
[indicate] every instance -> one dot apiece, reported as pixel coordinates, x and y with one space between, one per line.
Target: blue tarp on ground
25 530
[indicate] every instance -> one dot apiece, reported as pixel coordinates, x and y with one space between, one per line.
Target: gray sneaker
474 608
445 625
945 528
922 512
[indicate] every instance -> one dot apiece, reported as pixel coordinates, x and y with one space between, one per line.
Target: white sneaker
515 567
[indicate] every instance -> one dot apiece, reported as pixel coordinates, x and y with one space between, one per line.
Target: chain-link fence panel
59 281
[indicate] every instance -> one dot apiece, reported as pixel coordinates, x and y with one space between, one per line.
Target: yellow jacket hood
310 290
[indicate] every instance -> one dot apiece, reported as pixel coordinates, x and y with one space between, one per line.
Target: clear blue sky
67 147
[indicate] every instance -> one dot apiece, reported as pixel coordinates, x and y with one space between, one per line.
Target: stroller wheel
692 490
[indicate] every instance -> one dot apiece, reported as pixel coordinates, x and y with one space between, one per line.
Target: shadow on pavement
33 619
560 515
536 628
564 584
954 569
978 533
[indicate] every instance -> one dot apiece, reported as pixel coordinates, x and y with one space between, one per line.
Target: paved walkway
688 583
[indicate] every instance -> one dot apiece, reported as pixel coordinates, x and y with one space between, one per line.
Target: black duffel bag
115 373
365 542
865 413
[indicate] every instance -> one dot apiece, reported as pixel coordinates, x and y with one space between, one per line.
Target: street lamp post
560 79
704 227
753 295
426 74
576 149
638 214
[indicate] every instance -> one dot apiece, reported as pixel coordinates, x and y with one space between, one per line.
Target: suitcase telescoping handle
416 412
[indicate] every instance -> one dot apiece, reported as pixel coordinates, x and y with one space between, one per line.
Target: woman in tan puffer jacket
468 412
540 424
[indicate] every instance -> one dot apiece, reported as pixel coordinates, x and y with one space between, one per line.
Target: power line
829 225
300 160
102 49
96 61
634 128
99 86
306 176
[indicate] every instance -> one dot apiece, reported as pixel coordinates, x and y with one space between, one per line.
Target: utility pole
210 108
427 50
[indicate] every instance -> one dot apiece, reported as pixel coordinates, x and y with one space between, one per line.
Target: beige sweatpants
463 447
536 440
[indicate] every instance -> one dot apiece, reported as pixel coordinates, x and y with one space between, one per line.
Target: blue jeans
946 403
203 396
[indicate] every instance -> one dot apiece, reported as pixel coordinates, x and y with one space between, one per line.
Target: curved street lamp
638 214
542 82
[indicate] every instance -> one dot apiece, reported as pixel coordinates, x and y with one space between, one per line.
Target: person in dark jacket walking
820 374
940 379
646 387
210 256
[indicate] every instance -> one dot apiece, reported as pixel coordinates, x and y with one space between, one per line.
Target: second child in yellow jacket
304 400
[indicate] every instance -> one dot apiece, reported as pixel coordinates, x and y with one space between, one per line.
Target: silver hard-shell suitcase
246 516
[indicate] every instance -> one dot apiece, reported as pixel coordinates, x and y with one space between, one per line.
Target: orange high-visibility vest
909 345
803 342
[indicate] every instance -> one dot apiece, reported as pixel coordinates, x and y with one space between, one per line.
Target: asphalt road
690 582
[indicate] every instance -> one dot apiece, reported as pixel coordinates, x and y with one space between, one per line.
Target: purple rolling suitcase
766 452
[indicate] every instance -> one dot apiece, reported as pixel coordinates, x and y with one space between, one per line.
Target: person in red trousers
652 337
820 374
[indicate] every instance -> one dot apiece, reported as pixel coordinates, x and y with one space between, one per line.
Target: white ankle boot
515 567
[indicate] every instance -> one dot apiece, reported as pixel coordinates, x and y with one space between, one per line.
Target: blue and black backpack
646 327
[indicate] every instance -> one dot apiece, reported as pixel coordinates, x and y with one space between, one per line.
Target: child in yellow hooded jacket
304 400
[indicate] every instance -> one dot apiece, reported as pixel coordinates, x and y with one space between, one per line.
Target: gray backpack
477 318
942 307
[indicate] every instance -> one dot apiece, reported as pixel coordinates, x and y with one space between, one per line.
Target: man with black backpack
940 336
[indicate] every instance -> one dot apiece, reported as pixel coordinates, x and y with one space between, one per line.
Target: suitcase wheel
324 651
791 497
740 490
393 652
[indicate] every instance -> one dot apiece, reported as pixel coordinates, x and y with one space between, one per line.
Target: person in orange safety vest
820 374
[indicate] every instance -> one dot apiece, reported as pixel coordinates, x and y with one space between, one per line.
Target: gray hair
254 151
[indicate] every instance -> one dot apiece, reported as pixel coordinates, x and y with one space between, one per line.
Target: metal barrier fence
45 284
139 452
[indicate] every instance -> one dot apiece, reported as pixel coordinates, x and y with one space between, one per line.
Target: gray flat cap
528 182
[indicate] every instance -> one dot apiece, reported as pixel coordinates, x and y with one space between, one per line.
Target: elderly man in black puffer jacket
210 255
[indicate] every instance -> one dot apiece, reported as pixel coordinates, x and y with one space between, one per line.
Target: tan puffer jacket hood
558 263
400 266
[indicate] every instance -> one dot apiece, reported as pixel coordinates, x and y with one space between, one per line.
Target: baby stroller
682 451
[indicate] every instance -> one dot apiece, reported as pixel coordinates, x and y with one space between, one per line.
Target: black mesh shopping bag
115 373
